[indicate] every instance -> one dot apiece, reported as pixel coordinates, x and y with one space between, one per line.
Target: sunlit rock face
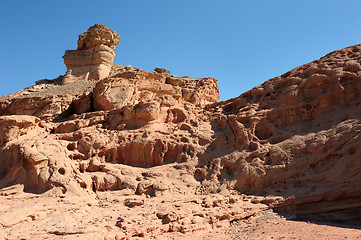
294 140
94 57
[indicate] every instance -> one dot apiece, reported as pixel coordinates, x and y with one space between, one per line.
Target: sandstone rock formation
303 130
293 141
94 57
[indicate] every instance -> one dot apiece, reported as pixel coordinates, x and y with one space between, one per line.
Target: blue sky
240 43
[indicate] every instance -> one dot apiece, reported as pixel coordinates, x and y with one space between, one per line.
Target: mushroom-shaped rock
94 57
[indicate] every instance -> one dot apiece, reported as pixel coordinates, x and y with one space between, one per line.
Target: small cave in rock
172 154
200 174
263 131
77 156
61 171
71 146
149 153
82 104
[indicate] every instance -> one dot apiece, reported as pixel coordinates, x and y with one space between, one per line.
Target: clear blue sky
240 43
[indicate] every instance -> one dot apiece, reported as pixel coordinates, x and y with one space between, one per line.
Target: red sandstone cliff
294 140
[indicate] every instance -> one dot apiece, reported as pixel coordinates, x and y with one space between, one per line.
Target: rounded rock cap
98 34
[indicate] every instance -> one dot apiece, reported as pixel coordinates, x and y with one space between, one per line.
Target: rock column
94 57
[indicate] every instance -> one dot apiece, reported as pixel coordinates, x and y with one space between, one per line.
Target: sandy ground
269 225
31 216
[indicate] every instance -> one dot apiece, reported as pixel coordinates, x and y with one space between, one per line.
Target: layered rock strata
94 56
294 140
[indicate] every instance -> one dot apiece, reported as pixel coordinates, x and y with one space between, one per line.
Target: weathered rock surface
303 129
94 57
293 141
128 118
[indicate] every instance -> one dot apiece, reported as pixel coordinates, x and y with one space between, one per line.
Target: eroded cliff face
297 135
127 119
295 140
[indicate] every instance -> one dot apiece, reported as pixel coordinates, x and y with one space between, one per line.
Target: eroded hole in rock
352 150
71 146
253 146
77 156
61 171
307 107
139 235
172 154
200 174
263 131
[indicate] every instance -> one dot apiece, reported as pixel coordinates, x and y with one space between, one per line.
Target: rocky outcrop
94 57
88 128
294 140
14 126
135 86
296 135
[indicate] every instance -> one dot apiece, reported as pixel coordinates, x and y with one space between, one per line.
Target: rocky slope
152 139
